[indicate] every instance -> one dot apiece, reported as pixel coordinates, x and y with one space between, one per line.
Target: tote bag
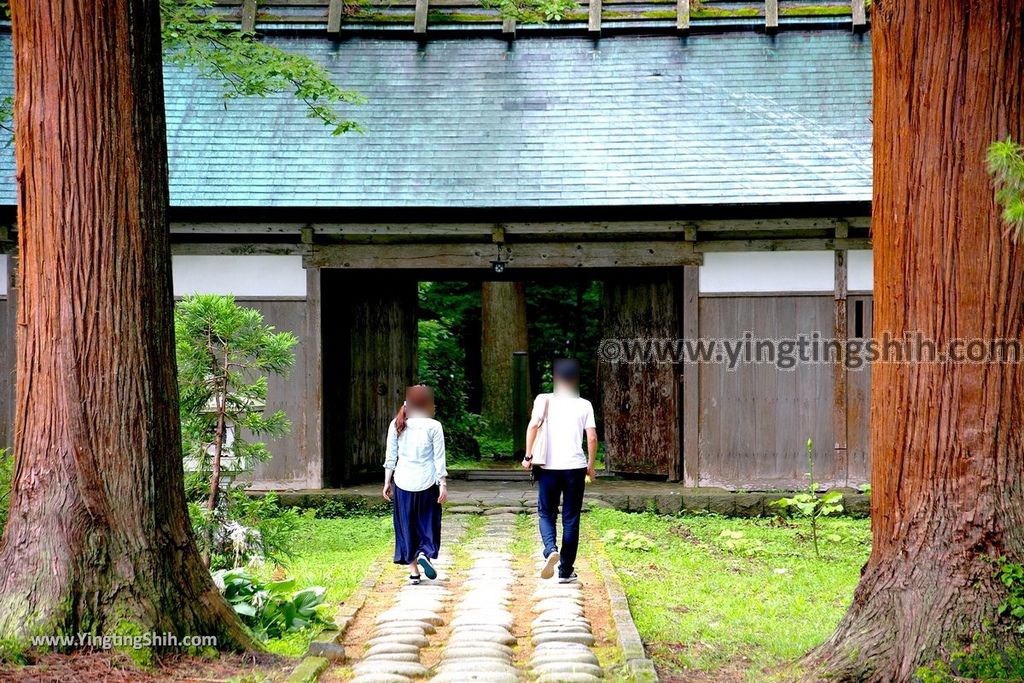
540 443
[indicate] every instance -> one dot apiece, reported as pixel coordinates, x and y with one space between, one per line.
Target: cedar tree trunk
98 538
503 319
946 441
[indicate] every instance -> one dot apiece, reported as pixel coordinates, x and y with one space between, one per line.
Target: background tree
224 352
947 440
97 539
504 330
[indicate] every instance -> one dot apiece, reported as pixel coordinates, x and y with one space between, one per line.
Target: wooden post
683 15
508 25
8 357
771 16
859 11
248 16
691 379
839 371
594 23
520 402
316 476
420 21
334 10
640 399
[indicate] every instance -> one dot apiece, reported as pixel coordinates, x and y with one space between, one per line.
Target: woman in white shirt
416 478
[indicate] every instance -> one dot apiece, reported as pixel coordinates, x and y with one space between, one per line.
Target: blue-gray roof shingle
735 118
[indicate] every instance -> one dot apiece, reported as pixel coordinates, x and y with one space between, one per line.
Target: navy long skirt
417 516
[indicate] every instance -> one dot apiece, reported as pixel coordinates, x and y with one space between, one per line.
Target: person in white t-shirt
562 477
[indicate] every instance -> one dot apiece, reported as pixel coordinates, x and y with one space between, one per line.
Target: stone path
479 624
479 647
392 652
561 634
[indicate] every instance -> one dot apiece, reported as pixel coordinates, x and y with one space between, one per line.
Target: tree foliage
224 353
195 36
1006 164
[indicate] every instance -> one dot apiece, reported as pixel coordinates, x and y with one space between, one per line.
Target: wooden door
640 401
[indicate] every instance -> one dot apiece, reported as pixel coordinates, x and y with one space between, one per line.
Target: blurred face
567 385
420 399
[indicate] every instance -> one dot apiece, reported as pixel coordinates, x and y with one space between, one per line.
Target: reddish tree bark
947 452
98 538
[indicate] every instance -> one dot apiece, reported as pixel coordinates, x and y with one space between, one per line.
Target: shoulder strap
547 404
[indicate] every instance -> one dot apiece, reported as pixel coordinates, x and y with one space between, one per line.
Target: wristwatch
527 458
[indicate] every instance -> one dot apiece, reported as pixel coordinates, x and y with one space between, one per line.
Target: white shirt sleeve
391 450
538 409
440 466
590 423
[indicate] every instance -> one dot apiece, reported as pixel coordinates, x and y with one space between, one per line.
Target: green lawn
731 597
335 554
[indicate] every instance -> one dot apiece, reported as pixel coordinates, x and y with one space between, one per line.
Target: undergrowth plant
271 608
630 540
809 504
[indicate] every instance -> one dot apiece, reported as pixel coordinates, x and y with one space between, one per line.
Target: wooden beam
683 15
248 22
691 379
477 230
420 19
839 371
859 10
771 16
799 244
237 249
334 11
479 256
508 25
594 20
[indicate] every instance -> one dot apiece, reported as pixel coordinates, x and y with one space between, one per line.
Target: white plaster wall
860 274
239 275
3 274
771 271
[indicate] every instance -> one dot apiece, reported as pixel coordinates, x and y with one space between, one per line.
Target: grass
731 596
336 554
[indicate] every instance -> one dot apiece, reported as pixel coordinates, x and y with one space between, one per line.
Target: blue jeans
565 486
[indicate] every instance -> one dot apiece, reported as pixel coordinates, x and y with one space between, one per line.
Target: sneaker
424 562
549 567
572 578
414 579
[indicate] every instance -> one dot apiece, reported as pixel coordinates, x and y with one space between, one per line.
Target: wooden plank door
640 401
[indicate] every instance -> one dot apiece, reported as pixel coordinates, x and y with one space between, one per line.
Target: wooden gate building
712 167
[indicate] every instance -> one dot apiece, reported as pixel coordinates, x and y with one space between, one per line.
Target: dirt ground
114 667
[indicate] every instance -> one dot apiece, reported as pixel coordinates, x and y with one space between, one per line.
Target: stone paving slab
626 495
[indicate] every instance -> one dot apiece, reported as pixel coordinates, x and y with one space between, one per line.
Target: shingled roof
711 119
